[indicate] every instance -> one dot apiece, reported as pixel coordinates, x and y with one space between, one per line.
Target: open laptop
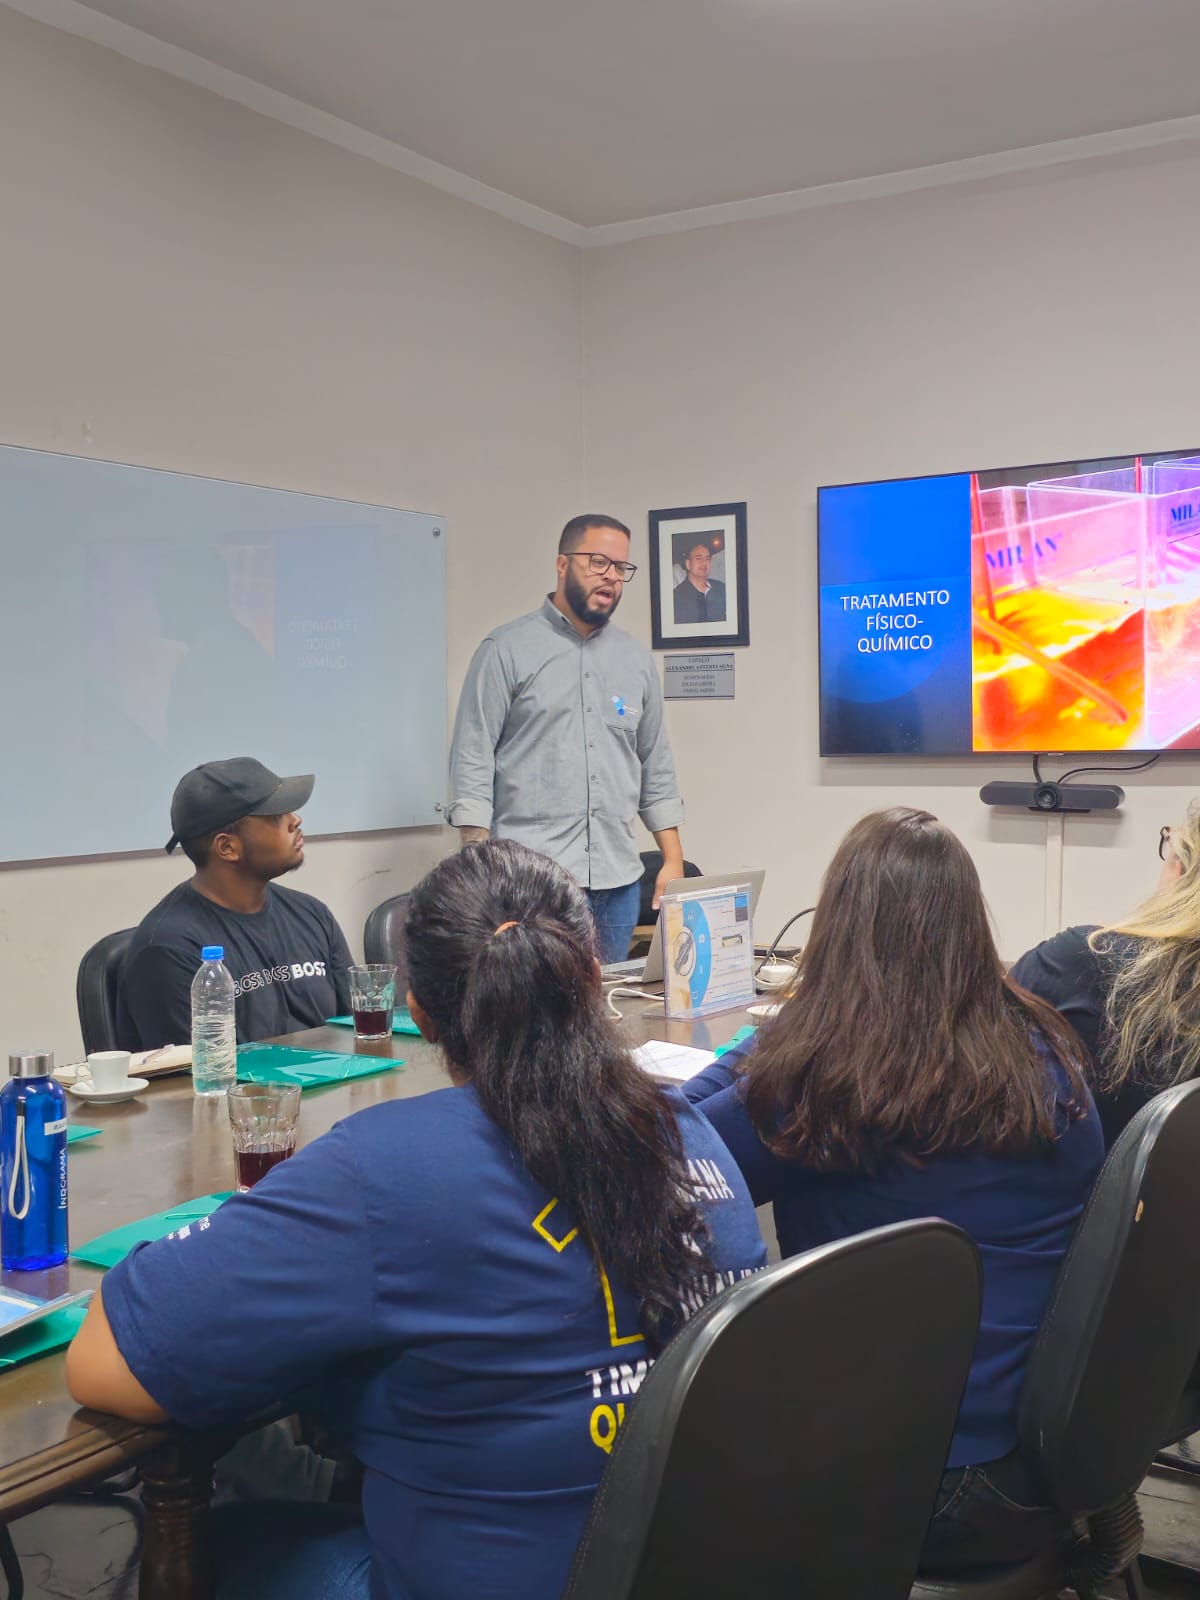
649 969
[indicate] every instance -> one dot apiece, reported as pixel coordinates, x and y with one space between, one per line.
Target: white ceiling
603 111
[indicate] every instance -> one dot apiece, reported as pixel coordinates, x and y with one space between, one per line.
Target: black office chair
789 1442
1178 1460
1178 1457
96 987
10 1565
651 867
1113 1355
1177 1452
383 938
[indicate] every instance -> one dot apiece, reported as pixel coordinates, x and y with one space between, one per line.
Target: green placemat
75 1131
109 1248
53 1332
402 1022
281 1063
739 1036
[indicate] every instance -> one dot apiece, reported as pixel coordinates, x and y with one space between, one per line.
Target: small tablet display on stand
708 951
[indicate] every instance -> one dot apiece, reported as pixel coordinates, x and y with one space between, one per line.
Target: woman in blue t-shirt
1131 990
477 1279
905 1077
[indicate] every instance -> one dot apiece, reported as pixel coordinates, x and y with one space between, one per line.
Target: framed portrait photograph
699 594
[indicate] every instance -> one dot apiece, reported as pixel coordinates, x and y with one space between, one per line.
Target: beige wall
189 285
1021 321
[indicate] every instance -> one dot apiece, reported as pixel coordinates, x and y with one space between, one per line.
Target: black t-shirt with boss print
288 963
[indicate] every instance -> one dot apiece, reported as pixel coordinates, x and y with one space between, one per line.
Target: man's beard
577 598
283 871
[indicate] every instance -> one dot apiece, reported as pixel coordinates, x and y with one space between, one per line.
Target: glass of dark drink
264 1119
373 1000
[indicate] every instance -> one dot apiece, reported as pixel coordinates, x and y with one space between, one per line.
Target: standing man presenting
560 741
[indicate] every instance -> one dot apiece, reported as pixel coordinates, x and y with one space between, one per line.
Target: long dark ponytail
519 1010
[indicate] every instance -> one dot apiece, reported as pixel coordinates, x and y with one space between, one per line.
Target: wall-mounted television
1045 608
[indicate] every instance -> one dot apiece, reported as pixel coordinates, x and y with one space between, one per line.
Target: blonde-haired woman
1131 989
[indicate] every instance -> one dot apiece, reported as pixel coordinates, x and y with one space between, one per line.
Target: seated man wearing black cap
237 823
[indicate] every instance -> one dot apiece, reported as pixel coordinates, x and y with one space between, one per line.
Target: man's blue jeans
615 913
988 1515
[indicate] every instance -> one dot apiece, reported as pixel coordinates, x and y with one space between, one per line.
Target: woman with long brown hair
1131 989
905 1077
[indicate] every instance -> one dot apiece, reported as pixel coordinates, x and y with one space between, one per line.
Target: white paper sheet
678 1062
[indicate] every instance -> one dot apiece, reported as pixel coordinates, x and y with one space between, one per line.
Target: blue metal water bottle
33 1164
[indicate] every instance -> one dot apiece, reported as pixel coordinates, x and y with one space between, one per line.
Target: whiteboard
153 620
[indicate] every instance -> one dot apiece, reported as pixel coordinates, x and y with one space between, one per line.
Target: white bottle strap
20 1170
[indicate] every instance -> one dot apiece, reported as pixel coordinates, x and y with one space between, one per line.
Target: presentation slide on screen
1053 607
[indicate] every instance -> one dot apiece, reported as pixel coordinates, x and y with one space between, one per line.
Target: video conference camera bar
1054 796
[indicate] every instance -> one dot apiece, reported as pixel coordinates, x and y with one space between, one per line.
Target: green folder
281 1063
49 1333
76 1131
742 1033
109 1248
402 1022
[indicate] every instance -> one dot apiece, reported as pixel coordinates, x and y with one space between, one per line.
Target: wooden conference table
165 1147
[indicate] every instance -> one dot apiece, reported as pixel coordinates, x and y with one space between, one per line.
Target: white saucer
108 1097
765 1010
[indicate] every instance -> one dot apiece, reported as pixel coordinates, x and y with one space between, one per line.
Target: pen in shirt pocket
620 705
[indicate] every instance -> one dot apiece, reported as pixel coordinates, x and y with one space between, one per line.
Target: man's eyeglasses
1164 839
601 564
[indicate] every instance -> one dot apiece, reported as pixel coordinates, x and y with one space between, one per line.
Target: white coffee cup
109 1070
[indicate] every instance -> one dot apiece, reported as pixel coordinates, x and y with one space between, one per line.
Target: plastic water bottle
214 1036
33 1164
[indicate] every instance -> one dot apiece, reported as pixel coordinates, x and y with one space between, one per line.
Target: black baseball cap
219 793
